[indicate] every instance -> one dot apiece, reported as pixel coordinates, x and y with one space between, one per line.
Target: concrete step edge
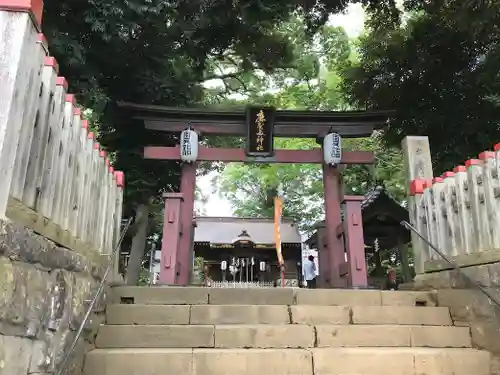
271 296
318 361
265 325
381 349
154 306
276 314
281 336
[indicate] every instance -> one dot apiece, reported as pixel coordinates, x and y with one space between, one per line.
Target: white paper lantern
332 149
189 146
223 265
262 266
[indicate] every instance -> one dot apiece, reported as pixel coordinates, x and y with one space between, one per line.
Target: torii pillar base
171 239
354 241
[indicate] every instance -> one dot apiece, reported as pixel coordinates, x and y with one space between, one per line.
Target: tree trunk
138 247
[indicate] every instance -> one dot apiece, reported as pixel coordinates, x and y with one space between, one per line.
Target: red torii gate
176 258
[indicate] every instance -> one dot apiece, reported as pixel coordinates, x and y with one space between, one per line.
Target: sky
353 22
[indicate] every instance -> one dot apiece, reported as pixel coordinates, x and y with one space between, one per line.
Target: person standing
310 272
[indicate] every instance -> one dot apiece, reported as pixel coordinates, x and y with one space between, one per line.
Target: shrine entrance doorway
345 264
240 252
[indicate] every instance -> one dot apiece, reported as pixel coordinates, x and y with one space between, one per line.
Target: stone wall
468 306
43 289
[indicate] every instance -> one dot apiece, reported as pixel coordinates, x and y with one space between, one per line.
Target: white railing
289 283
54 176
458 212
239 284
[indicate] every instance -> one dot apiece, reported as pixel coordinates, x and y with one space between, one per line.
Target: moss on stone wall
43 289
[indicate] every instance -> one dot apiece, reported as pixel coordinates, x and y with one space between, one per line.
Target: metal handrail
64 363
408 226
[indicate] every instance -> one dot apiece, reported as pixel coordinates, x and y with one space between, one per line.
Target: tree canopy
313 83
436 63
438 68
159 52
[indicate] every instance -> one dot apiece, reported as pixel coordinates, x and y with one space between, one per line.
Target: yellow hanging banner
278 210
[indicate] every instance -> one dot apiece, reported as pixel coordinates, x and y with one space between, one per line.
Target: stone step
147 314
331 361
433 316
392 336
401 361
198 314
346 297
158 295
280 336
276 314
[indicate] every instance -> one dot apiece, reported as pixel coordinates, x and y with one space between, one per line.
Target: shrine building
243 251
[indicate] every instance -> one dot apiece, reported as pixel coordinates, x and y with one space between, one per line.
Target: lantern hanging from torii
332 149
189 145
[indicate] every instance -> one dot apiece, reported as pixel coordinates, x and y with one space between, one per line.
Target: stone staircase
203 331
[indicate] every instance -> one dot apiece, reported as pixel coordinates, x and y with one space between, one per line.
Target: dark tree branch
224 76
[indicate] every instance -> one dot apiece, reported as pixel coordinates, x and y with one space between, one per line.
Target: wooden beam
288 115
314 156
286 123
307 124
353 198
351 129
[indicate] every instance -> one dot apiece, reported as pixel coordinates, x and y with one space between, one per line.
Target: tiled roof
374 193
371 196
224 230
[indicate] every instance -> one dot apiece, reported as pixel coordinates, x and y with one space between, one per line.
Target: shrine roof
386 204
224 230
381 216
287 123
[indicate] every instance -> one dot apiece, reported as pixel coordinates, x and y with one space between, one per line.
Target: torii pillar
177 242
334 243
